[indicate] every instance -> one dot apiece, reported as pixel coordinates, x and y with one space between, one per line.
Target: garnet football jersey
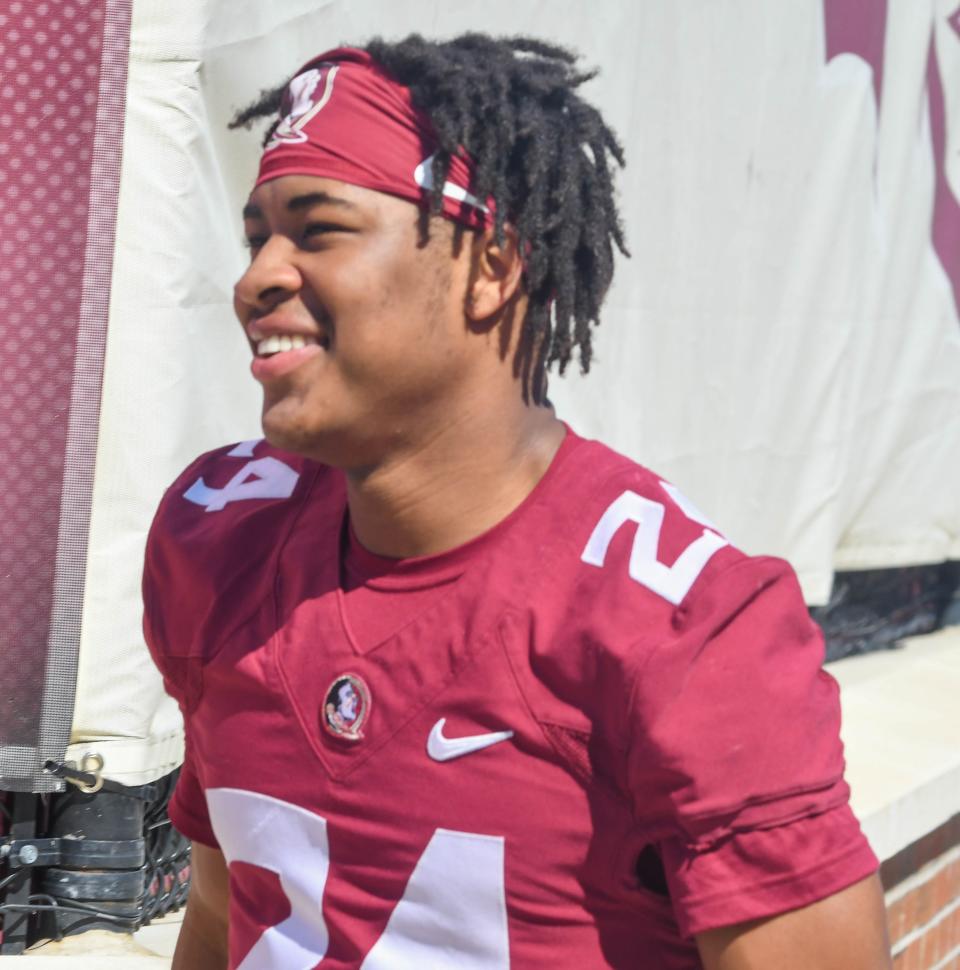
599 694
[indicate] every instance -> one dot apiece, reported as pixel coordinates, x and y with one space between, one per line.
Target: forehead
290 194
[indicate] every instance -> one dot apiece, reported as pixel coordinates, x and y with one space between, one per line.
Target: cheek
391 324
396 316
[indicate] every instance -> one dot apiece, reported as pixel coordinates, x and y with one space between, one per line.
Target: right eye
317 230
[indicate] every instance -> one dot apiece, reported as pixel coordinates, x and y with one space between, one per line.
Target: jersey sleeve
188 806
752 874
735 758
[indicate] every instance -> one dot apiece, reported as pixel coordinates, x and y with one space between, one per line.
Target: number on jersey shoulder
670 582
260 478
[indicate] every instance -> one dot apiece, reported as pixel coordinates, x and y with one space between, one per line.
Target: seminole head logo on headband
306 96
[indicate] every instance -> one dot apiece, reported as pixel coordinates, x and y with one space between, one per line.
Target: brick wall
923 901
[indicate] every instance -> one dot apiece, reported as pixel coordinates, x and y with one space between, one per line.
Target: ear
497 273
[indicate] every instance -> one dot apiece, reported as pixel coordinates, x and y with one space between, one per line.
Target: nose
270 279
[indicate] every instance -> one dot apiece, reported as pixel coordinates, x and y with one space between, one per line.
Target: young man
462 689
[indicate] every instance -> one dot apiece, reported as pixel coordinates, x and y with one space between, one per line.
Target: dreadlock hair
541 152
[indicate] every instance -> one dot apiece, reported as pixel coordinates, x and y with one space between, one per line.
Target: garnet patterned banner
64 75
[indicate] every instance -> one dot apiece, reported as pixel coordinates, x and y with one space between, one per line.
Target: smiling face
361 338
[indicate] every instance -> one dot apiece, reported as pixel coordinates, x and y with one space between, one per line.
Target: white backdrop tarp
784 344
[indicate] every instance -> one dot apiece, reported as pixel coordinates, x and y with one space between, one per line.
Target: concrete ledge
901 729
149 949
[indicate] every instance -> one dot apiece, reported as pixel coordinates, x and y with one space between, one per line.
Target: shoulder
658 637
628 564
234 472
646 569
635 536
234 492
216 536
634 576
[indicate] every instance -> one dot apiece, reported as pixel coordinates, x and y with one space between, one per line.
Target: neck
454 484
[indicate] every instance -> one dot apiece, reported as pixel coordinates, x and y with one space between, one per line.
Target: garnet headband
343 117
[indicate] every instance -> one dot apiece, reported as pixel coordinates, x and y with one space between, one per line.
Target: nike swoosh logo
423 176
446 749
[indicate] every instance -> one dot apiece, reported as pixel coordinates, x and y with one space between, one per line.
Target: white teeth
277 343
269 346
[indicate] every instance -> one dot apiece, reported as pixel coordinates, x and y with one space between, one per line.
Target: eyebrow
299 202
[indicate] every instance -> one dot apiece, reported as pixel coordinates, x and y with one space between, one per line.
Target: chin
320 440
283 439
286 427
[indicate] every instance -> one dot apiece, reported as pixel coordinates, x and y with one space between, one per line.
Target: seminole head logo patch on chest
346 707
